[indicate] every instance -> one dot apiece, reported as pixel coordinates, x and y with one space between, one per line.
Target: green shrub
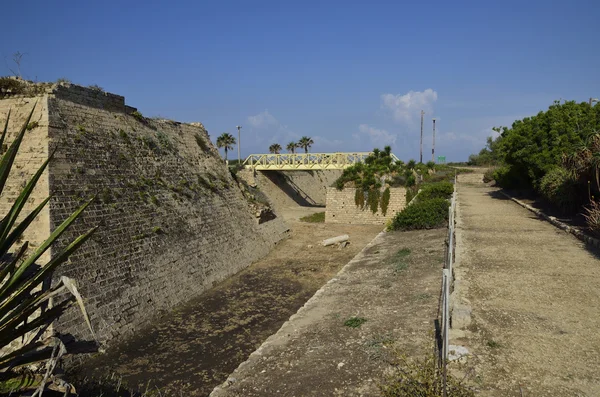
367 175
164 141
385 201
10 86
32 125
561 188
436 190
359 198
488 176
137 115
509 177
426 214
423 378
318 217
397 180
411 192
373 197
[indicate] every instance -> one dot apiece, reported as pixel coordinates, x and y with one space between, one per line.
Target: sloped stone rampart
172 221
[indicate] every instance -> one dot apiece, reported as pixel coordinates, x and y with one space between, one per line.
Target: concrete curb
594 242
460 307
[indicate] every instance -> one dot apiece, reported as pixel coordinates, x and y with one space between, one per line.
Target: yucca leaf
70 285
30 283
26 306
10 266
9 157
5 129
17 206
8 335
23 310
14 383
17 305
20 228
23 350
12 283
29 354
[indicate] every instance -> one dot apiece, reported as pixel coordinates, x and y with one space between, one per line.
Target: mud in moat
195 347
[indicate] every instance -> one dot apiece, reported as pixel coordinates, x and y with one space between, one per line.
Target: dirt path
534 296
191 350
394 285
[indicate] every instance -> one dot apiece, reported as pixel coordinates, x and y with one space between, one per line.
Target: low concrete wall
341 207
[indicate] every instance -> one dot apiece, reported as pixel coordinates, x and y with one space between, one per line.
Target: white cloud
263 120
323 144
377 137
405 108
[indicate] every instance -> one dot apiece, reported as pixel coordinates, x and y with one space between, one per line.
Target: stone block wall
341 207
311 185
172 221
286 189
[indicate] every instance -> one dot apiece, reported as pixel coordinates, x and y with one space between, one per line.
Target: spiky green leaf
16 277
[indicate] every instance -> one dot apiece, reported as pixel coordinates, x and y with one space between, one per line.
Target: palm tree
275 148
305 142
226 141
291 147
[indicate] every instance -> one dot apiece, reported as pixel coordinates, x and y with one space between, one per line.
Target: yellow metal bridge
305 161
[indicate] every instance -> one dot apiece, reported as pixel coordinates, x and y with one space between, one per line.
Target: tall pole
433 147
239 127
421 155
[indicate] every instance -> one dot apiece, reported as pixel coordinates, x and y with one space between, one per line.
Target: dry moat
195 347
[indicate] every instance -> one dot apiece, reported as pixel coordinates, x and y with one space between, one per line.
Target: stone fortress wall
172 221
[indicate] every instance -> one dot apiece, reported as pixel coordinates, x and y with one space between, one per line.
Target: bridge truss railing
305 161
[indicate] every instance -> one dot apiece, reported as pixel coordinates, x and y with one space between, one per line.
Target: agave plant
586 158
592 217
25 310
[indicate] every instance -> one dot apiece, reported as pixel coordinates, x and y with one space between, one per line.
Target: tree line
226 142
304 143
555 153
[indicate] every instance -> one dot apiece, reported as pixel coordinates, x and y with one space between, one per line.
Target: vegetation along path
191 350
534 295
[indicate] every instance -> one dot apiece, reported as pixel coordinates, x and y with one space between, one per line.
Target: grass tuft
317 217
355 322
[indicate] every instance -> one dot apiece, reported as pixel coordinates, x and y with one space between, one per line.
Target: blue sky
352 75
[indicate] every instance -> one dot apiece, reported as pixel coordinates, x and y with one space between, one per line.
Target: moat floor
194 348
392 288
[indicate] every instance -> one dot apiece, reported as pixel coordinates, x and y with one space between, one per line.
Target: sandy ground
534 293
194 348
394 284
